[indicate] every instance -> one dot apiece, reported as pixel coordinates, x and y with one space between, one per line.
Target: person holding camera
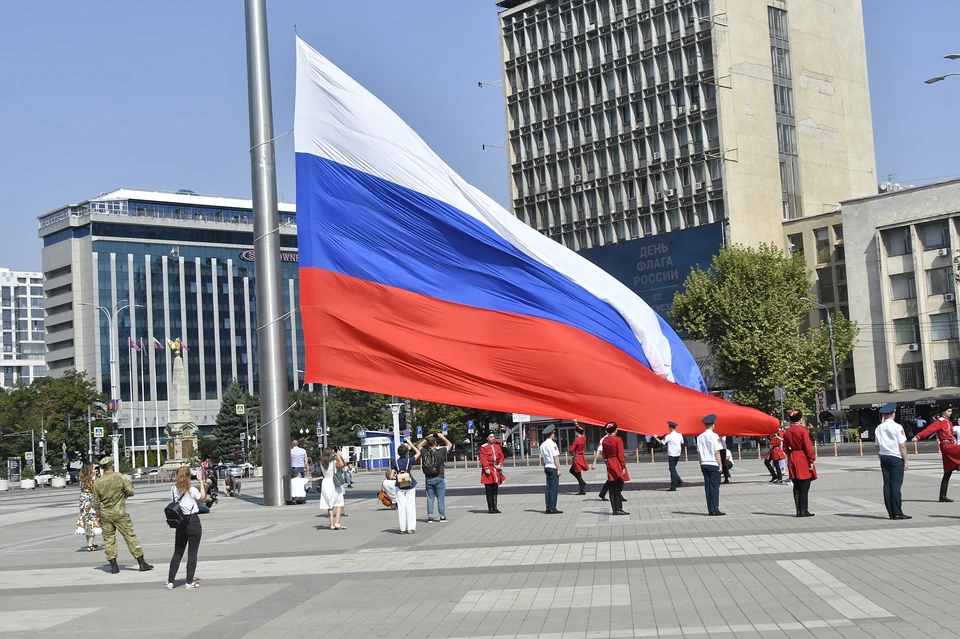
331 490
431 463
187 537
406 487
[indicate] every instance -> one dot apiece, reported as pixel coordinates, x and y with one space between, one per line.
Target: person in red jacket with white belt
800 458
774 455
616 467
579 460
491 474
949 448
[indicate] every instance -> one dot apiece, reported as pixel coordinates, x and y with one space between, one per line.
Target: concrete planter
4 485
259 471
28 483
58 482
129 477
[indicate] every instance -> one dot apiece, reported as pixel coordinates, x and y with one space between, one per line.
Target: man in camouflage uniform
110 493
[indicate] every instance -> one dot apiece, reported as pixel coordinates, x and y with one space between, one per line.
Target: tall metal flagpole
271 361
143 410
156 391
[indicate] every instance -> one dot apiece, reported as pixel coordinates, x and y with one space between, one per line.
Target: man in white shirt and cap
674 444
708 446
550 454
892 449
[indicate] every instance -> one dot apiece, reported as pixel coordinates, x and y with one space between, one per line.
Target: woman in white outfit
331 495
407 456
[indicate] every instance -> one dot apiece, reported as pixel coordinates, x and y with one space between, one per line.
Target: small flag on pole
157 345
184 346
133 345
171 344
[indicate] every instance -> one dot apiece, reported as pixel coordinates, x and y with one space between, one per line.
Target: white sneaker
193 585
168 586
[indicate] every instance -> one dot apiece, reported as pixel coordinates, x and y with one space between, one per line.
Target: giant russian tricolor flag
414 283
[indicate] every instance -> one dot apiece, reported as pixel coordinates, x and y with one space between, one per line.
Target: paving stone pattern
667 570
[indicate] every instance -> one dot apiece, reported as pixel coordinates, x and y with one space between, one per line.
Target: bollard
638 455
528 460
539 460
514 461
739 452
835 453
686 454
938 444
454 462
651 456
861 448
758 451
566 460
915 448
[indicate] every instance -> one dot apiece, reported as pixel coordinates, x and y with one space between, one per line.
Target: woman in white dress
331 495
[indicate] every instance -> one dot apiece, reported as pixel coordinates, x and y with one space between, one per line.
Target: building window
911 375
822 237
781 62
907 330
796 243
778 23
904 286
825 285
947 371
783 99
935 235
943 326
940 280
898 242
787 138
838 232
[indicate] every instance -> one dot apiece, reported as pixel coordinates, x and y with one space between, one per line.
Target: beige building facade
904 300
631 118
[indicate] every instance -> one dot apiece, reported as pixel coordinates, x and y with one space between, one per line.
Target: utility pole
271 361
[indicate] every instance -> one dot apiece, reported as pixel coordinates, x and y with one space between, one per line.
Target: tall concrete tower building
632 119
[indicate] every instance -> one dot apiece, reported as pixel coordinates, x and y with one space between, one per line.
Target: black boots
114 568
144 566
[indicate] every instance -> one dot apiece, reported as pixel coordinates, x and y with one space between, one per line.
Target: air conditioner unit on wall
949 297
943 252
698 186
913 347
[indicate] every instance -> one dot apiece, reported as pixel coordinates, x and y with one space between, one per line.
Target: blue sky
102 94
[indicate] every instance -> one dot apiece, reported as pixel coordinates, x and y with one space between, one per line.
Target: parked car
234 470
44 477
152 472
73 476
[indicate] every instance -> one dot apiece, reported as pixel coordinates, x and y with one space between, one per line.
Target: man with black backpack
431 463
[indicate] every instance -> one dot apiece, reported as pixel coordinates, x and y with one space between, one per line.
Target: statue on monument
181 431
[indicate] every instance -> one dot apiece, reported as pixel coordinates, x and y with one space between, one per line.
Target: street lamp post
111 316
833 352
941 78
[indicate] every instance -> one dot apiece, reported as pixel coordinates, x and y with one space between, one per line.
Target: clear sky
100 94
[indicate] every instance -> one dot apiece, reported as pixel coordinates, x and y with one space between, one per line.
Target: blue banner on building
656 267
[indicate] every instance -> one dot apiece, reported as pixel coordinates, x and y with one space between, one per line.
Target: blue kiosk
377 448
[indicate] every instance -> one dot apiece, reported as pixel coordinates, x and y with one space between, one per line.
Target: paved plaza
667 570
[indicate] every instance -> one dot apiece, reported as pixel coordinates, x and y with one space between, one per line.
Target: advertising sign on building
656 267
821 400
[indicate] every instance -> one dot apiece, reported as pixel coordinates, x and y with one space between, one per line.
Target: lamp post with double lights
833 353
111 317
941 78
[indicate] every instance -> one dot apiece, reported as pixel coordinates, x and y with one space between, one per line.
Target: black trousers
892 469
725 470
801 490
674 475
616 495
579 477
491 491
711 486
605 489
188 538
773 465
944 484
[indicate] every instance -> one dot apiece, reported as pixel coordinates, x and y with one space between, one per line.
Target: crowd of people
103 493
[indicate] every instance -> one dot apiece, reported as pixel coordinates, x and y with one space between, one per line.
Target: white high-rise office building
22 332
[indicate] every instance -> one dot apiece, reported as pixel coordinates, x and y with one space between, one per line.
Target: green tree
747 307
56 406
347 408
230 425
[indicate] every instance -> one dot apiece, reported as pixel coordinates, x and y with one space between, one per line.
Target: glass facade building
134 270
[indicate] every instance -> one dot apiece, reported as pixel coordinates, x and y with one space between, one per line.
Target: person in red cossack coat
579 460
774 455
491 473
800 458
949 448
616 467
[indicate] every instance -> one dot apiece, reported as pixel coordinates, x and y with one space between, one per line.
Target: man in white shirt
708 446
674 444
892 450
298 459
550 453
298 489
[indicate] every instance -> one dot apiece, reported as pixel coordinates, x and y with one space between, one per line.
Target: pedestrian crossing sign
241 409
98 432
